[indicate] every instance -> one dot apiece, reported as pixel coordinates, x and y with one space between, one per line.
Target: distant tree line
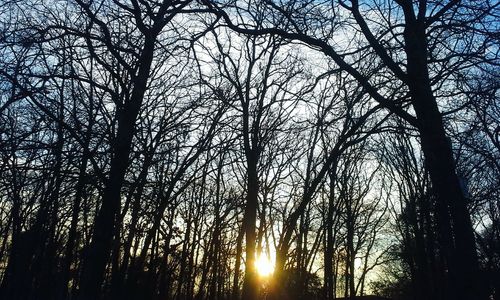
154 149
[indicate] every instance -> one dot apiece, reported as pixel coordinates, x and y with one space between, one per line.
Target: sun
264 265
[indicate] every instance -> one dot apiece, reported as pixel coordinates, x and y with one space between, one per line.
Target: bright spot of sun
264 265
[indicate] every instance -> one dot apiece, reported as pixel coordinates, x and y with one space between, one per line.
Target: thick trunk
100 248
250 284
462 257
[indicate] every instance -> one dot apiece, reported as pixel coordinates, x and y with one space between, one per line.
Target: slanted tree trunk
462 258
99 250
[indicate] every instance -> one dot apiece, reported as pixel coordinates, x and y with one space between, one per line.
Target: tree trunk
250 284
329 278
100 248
462 258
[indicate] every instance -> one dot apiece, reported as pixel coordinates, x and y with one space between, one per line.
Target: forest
250 149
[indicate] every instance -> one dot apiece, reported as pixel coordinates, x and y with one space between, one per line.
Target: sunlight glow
264 265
